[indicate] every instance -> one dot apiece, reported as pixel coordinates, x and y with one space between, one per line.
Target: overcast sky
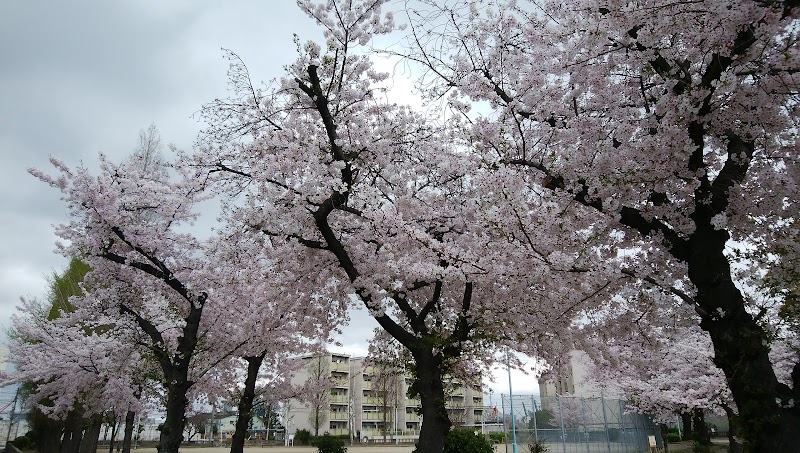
82 77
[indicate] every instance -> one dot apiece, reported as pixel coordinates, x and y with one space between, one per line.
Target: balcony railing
340 366
377 434
374 416
371 433
338 415
340 399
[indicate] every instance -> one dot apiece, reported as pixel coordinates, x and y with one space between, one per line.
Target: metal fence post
511 403
605 422
585 425
623 429
563 433
503 408
535 429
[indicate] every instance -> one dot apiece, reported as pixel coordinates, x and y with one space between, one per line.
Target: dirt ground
298 449
720 446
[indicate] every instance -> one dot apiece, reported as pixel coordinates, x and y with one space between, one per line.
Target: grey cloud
82 77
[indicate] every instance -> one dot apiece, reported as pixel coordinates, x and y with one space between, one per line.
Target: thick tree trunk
701 432
114 428
172 429
92 435
664 431
686 421
130 419
73 432
48 434
733 431
176 378
430 384
741 349
246 403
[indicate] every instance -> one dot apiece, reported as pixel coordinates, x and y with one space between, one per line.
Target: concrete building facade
363 405
573 380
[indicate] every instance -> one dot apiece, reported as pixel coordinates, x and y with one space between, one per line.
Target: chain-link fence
570 425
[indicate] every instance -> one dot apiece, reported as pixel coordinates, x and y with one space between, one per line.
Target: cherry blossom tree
367 198
267 319
647 346
153 280
79 368
675 123
145 272
665 374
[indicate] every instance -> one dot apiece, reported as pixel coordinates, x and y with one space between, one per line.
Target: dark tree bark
127 440
430 386
47 433
73 432
114 428
246 403
172 429
686 422
50 442
664 432
92 435
44 431
130 421
741 348
701 432
733 430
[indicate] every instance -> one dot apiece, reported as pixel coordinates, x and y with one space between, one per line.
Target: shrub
465 441
498 437
22 442
673 437
329 444
537 446
302 436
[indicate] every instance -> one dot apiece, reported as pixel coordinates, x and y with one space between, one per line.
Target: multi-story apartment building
573 380
364 403
327 409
